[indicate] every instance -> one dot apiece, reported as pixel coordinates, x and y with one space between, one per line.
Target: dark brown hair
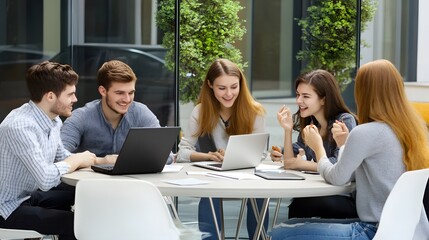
49 77
325 85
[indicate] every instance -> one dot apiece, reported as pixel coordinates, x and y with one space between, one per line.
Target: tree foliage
329 36
208 30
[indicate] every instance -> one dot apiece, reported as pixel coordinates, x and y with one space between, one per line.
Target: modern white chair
403 216
124 209
9 234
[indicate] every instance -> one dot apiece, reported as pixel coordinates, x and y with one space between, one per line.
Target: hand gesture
284 117
340 132
295 162
312 137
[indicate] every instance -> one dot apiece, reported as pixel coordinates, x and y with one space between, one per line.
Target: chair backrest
121 209
403 209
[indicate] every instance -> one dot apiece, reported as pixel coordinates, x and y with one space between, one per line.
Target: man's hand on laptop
108 159
216 156
80 160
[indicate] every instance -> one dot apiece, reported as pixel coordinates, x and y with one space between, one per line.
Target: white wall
417 91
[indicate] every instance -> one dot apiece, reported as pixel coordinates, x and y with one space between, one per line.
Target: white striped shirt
31 154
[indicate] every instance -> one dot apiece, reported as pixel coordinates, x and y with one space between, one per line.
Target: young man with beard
33 158
102 125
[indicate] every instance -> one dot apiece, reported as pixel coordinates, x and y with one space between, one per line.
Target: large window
35 30
275 41
84 34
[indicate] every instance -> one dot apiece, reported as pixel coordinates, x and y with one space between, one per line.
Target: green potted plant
329 36
208 30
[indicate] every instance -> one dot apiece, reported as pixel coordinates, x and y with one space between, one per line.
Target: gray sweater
372 151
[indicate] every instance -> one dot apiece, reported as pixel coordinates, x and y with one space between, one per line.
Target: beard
61 109
111 105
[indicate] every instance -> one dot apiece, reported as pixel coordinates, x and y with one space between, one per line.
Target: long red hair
380 96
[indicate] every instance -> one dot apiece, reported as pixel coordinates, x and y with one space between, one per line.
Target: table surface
313 185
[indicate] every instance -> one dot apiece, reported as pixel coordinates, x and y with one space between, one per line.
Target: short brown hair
114 71
49 77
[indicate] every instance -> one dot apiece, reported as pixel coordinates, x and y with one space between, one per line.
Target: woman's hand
313 139
216 156
295 163
276 154
340 132
284 117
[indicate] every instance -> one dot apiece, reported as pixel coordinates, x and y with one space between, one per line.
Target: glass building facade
35 30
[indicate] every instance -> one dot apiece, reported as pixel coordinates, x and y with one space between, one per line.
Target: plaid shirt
30 155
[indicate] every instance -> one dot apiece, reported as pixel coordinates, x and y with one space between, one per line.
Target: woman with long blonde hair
391 138
225 107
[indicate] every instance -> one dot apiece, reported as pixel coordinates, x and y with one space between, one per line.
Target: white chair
124 209
403 215
9 234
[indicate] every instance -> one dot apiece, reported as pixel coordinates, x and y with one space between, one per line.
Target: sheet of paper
187 181
264 166
196 173
172 168
232 175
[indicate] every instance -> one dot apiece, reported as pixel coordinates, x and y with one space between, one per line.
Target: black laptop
145 150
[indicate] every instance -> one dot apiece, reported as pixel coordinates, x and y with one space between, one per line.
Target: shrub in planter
329 36
208 30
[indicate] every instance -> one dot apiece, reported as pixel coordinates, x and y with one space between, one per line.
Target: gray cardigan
372 151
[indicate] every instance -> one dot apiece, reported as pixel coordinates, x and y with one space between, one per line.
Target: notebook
242 151
145 150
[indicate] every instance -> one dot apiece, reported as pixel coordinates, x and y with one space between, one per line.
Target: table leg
240 218
256 211
261 217
172 205
215 219
222 219
276 213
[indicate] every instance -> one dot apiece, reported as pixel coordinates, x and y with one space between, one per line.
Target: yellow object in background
423 109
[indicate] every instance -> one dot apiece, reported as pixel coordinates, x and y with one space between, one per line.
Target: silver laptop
145 150
242 151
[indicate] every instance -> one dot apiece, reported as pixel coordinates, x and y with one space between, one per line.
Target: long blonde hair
244 110
380 96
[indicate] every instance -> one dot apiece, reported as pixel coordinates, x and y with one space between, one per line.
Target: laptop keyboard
105 166
219 165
